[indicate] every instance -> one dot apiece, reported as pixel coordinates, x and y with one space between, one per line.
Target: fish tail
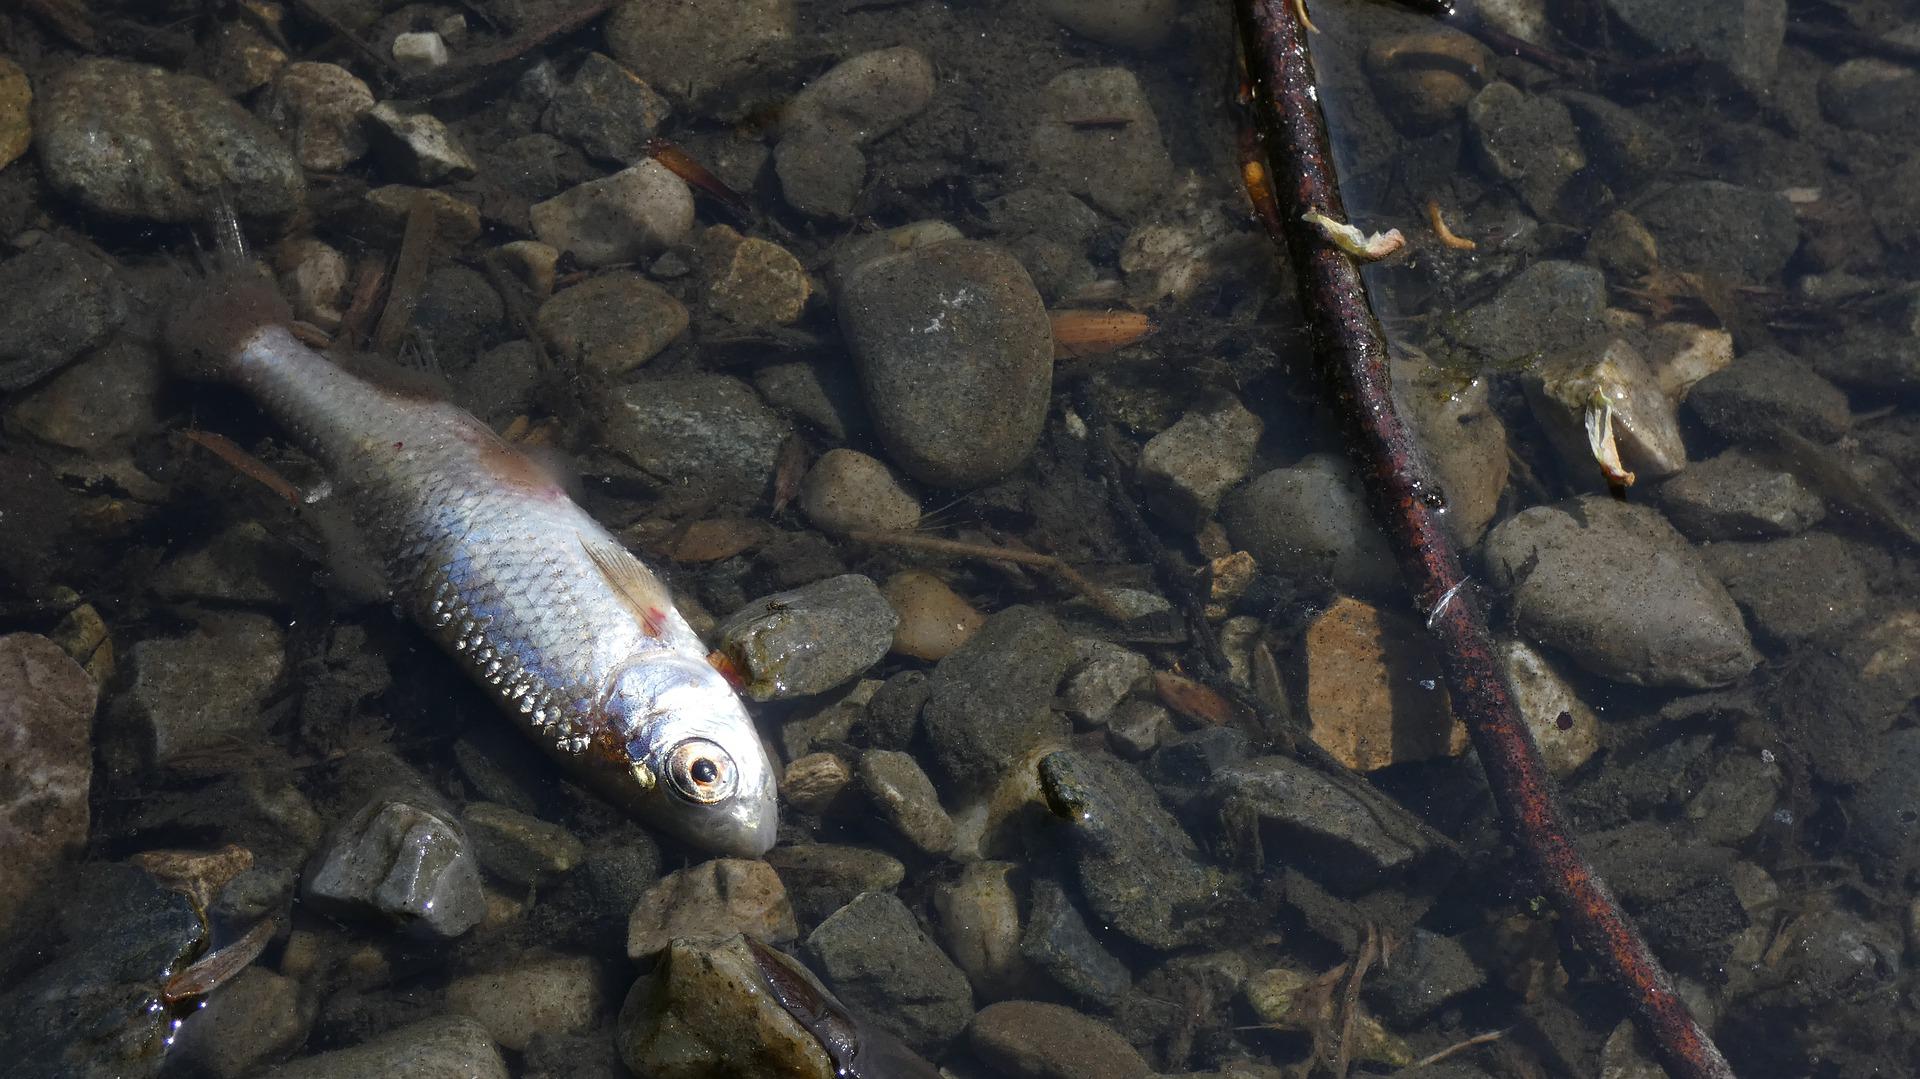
223 308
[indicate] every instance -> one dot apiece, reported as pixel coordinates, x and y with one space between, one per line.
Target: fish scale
568 632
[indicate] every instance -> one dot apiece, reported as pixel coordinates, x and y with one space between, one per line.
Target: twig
409 274
246 464
1353 352
1452 1050
961 548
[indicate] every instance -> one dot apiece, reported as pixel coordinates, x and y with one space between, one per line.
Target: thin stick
1353 353
1453 1050
961 548
409 274
245 463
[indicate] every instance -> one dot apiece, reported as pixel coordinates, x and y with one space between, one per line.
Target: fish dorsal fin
636 586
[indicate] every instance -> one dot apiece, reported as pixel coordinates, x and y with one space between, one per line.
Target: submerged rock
1528 141
402 862
611 323
811 639
533 997
1742 37
699 430
444 1047
1056 942
955 353
1187 467
1140 871
1294 806
705 1013
61 302
1735 496
132 141
712 56
885 968
1720 229
992 700
606 111
1793 589
1622 594
905 798
638 211
1768 389
1311 517
1120 163
46 763
1373 697
713 899
823 877
1547 308
1034 1040
1580 393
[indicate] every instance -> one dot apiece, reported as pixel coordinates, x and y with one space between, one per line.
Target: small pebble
934 619
313 277
1186 468
905 797
420 51
813 782
847 491
751 283
321 107
979 922
1105 674
418 146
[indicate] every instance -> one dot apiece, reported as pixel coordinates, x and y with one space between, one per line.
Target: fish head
695 764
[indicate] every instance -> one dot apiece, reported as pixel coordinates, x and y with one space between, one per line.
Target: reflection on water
855 317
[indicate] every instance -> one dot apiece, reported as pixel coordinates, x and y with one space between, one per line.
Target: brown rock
46 762
16 112
1032 1040
934 619
1373 690
711 900
752 282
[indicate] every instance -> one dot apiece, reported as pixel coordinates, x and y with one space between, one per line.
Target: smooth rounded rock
1724 230
955 353
751 283
1034 1040
905 797
1311 518
991 702
534 997
638 211
1127 24
810 639
402 862
847 491
701 54
934 619
61 301
1529 141
137 142
863 97
445 1047
1614 588
1426 78
611 323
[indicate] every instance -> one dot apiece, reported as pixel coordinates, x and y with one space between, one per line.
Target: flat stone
1622 594
1742 38
706 431
1373 690
1312 518
61 302
1766 389
811 784
1547 308
885 968
1529 141
1186 468
46 763
1425 79
1464 441
194 694
1139 870
611 323
707 55
811 639
863 97
1103 675
538 997
905 797
418 145
1870 94
1710 227
711 900
1565 729
137 142
445 1047
1296 806
1057 942
520 848
1793 589
98 405
1119 164
1034 1040
823 877
751 283
991 702
1734 496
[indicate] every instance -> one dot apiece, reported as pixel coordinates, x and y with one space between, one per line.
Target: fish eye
700 771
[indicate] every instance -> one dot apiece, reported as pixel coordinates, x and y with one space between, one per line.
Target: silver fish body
569 632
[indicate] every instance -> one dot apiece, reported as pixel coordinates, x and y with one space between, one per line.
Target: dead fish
570 633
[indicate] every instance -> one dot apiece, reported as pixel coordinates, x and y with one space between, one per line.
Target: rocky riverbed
933 353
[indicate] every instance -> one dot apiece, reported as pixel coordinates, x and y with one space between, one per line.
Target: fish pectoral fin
636 586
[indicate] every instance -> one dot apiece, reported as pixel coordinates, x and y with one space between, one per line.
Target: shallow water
1697 236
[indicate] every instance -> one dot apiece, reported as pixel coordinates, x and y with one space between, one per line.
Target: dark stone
456 314
820 878
1766 389
1793 589
1139 870
1427 971
1734 496
1721 230
1057 943
991 701
1296 814
61 302
893 715
607 111
1547 308
882 966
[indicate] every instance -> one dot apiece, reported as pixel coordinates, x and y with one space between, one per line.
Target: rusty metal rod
1353 355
